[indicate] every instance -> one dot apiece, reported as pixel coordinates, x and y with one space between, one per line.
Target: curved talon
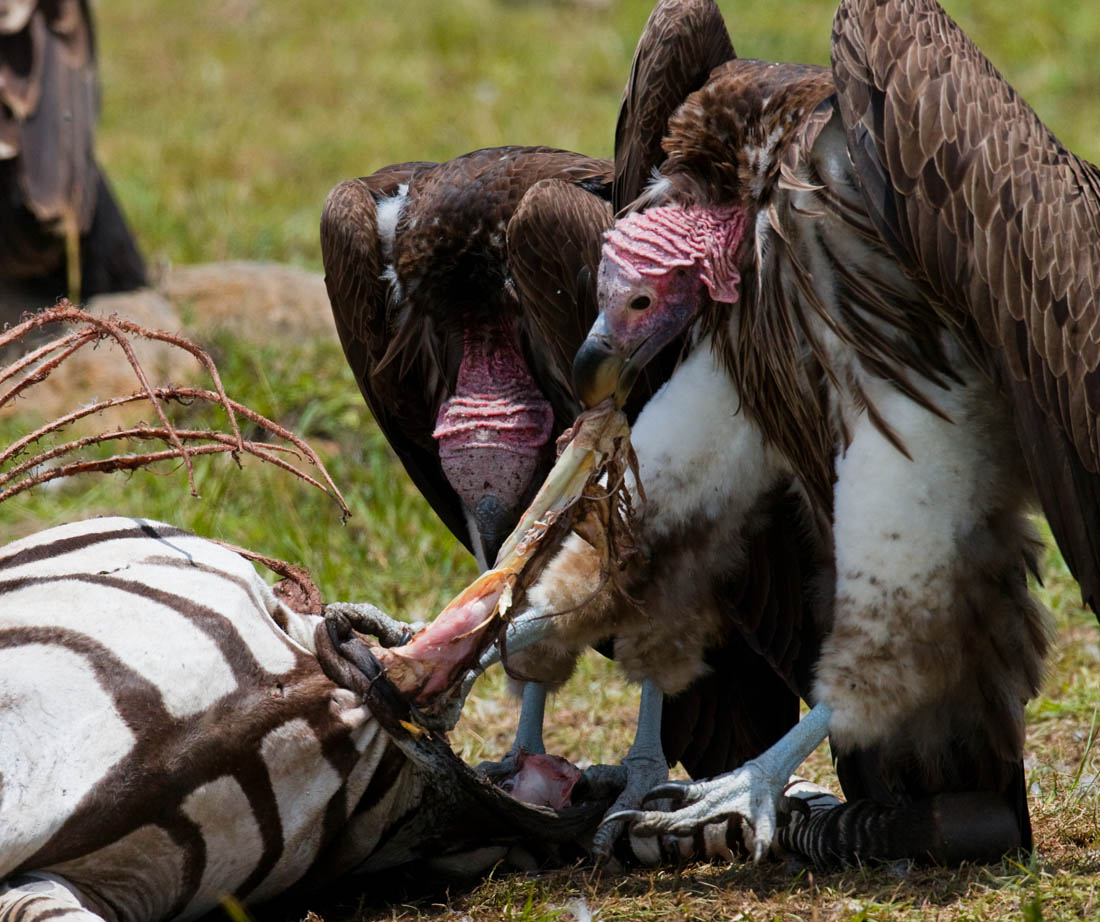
674 791
369 619
623 816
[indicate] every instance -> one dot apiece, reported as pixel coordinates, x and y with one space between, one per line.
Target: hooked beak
494 524
607 365
600 371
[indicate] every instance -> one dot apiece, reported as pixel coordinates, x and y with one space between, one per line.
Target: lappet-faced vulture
895 262
466 372
461 291
63 232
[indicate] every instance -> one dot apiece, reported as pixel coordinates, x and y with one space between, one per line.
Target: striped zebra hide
173 733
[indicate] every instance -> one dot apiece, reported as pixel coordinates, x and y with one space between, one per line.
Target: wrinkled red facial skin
658 268
640 314
543 780
493 432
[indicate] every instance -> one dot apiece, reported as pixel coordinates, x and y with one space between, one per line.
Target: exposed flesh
435 659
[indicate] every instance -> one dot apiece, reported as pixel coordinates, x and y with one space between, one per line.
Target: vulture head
461 291
493 433
728 146
658 269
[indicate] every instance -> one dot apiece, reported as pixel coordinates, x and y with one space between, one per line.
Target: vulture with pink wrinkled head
465 369
461 292
892 263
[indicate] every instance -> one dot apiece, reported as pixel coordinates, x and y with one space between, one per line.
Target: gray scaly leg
751 791
646 768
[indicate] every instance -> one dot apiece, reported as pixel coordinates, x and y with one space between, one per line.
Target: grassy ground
224 124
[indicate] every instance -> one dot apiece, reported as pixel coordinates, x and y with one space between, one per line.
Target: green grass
392 550
225 122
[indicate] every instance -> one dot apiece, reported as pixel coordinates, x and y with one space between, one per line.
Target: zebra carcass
172 732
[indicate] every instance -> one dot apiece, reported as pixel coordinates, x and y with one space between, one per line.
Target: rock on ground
251 301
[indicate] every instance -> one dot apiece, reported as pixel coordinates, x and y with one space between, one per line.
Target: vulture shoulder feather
380 345
554 241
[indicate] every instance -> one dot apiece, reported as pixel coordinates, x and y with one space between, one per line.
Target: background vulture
461 292
63 233
895 262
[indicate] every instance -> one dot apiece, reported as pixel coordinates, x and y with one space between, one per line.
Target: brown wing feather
401 395
975 195
683 41
554 241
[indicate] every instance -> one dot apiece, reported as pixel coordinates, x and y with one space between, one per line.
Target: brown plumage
901 289
1003 227
498 245
64 233
675 55
513 235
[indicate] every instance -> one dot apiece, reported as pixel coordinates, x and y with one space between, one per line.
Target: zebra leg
39 896
947 829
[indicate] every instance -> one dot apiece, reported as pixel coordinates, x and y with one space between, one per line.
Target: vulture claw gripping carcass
752 792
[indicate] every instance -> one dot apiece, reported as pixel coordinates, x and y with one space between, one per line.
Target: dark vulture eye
640 303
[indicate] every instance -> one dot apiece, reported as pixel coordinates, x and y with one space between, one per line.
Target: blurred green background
226 122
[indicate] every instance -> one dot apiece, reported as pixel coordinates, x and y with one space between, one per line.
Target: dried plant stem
183 444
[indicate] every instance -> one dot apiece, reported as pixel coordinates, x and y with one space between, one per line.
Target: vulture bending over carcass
466 371
461 293
63 232
894 263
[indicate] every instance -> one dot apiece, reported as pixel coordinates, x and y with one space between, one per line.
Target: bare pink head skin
658 266
492 433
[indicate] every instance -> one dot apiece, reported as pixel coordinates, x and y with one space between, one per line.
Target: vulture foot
752 792
369 619
500 771
643 774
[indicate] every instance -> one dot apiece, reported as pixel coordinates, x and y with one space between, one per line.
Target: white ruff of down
703 465
924 548
698 455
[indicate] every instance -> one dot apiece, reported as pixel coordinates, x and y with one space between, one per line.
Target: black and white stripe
169 733
172 733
